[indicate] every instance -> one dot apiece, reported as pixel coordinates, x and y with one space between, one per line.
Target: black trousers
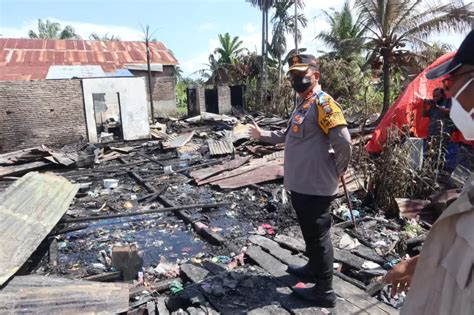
315 221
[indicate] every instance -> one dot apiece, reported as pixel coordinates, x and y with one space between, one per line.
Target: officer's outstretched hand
254 131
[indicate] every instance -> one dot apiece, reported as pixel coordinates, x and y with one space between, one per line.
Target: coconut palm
229 50
52 30
284 23
264 6
346 36
393 24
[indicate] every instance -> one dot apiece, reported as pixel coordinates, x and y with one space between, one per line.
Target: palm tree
105 37
393 24
264 6
346 36
229 50
284 23
52 30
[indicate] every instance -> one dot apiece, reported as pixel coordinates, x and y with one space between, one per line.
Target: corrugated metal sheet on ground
270 171
37 294
30 59
202 174
189 148
179 141
29 210
220 147
162 135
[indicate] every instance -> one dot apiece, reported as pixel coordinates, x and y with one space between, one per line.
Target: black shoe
321 294
300 271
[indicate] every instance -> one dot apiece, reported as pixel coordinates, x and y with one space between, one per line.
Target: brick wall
40 112
163 90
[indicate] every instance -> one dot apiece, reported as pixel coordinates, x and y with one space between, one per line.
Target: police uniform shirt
317 146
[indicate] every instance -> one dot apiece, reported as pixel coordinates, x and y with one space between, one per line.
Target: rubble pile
196 220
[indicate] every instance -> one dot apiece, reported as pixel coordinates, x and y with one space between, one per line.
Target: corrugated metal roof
30 59
38 294
68 72
220 147
155 67
30 208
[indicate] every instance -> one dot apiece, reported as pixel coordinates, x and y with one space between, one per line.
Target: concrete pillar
224 100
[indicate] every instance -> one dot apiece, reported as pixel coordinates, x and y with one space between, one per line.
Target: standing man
440 279
317 153
437 110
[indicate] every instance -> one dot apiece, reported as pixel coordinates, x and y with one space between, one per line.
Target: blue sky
188 27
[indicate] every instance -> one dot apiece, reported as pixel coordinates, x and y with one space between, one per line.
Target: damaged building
60 91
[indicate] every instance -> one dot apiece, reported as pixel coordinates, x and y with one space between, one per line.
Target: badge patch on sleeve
329 113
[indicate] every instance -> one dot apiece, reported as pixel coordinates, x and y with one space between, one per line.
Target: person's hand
401 275
254 131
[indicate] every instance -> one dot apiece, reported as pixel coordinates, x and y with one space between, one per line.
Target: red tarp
410 102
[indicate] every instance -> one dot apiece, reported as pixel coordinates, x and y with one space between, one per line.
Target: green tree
105 37
346 36
264 6
231 48
284 23
52 30
393 24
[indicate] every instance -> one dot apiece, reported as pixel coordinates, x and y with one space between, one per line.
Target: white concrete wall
133 104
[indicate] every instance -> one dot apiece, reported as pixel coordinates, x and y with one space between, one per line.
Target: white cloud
82 28
250 28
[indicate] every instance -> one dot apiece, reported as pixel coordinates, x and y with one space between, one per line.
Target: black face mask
301 84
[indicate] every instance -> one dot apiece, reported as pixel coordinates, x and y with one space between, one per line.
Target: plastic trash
110 183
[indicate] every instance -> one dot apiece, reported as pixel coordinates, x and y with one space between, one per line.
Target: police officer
317 152
441 279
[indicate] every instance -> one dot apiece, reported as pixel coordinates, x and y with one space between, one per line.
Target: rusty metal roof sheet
30 59
220 147
29 209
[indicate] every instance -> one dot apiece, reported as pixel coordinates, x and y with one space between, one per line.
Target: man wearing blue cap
440 279
317 152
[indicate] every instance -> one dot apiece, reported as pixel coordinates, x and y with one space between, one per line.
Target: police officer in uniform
317 153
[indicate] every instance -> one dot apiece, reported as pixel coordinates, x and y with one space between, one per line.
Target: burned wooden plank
292 243
25 155
29 210
268 310
199 227
275 248
161 306
163 285
369 254
22 168
277 269
194 273
348 258
105 277
342 288
137 213
46 295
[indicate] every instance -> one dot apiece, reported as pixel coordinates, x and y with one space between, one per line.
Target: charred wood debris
196 220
